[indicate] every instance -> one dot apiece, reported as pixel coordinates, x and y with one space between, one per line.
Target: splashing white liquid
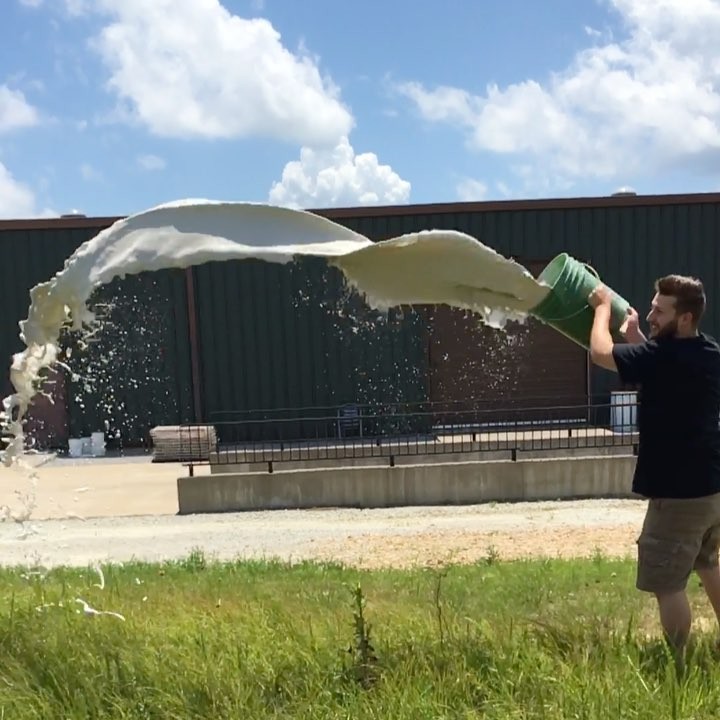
428 267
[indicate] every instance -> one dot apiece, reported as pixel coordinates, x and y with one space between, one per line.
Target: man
678 464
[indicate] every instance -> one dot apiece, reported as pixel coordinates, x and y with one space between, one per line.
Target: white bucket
75 448
97 443
623 411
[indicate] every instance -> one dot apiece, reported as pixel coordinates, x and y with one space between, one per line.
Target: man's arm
601 342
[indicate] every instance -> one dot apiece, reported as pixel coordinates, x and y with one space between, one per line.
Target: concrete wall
456 483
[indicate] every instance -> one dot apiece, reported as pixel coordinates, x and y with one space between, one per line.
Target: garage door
509 376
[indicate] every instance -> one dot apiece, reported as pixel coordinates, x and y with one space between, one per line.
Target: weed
195 561
362 650
492 556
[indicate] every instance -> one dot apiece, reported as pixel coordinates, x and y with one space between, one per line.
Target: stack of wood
183 443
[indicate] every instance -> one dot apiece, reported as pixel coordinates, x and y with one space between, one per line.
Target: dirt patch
437 548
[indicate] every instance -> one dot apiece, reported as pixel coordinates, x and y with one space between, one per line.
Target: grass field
541 639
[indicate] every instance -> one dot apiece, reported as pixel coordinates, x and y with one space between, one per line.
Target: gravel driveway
366 538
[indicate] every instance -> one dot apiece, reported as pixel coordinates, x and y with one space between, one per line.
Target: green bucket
566 306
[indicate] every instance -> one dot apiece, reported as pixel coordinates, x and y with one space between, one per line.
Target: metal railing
395 433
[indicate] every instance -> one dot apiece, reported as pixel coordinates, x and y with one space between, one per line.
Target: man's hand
600 296
630 329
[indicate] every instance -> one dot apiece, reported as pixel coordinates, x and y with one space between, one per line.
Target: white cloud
648 102
191 69
503 189
31 3
78 7
15 111
89 173
470 189
17 200
151 162
338 177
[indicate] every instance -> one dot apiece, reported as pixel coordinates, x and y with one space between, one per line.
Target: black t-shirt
678 414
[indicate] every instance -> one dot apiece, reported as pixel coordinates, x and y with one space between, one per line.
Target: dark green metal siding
629 246
273 336
135 372
276 337
28 257
148 380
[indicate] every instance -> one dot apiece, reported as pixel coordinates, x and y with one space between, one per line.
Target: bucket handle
584 307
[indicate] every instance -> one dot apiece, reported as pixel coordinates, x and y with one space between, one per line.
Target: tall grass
540 639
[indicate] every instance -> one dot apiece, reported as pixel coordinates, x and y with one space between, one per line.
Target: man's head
677 308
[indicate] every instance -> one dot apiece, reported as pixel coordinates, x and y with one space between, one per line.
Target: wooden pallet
182 443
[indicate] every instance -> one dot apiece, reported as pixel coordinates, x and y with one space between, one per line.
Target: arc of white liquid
428 267
92 612
100 575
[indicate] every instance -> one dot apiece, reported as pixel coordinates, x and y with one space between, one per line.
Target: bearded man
677 370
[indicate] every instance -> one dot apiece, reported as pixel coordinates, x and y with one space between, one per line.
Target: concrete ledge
456 483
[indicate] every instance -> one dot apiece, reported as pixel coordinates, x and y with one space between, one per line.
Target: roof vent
74 214
624 192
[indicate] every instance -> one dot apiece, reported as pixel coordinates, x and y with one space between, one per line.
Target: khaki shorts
678 536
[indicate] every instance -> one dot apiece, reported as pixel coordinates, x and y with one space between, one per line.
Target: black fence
391 433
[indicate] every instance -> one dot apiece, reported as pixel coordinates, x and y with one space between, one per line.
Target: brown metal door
528 366
46 422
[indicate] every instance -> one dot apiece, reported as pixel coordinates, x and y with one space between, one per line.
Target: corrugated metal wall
30 257
283 337
135 372
629 246
274 337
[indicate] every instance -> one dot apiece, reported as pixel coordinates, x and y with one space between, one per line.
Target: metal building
224 340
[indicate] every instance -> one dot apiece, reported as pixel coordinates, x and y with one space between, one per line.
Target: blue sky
109 107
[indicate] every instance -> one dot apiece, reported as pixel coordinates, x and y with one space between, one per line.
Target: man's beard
667 331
